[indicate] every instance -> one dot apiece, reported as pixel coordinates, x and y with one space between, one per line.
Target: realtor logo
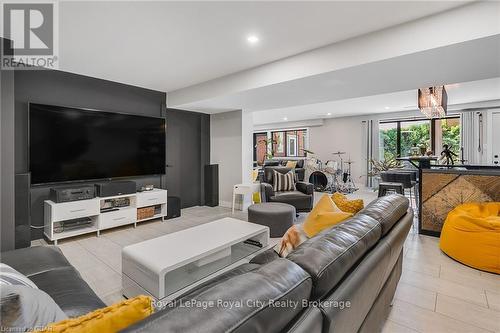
29 32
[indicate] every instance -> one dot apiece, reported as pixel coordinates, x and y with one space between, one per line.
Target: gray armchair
301 198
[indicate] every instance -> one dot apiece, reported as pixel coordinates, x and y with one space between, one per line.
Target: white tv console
101 220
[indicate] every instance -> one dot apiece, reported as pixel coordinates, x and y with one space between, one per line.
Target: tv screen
69 144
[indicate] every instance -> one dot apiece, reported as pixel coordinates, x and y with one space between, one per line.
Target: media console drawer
117 218
151 198
74 209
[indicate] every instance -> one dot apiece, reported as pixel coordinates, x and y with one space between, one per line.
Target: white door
495 145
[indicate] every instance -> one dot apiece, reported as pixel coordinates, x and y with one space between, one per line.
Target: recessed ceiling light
329 114
387 108
285 119
252 39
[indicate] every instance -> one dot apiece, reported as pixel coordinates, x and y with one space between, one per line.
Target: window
415 137
260 150
279 144
287 143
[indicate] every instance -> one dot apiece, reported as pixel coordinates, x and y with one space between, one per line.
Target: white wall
246 141
226 150
340 134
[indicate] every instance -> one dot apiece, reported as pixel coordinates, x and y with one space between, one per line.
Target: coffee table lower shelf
171 265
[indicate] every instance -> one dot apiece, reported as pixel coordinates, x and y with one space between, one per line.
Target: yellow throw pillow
291 164
110 319
346 205
256 197
324 215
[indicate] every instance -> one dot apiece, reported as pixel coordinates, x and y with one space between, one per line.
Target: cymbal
339 153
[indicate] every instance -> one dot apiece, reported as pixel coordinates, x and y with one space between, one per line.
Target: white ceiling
459 93
459 62
167 45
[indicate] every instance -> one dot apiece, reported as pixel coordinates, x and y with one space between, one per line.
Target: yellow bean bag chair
471 235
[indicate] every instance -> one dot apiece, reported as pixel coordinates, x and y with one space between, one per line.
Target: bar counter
442 188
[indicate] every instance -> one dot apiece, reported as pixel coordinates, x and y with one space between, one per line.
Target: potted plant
383 165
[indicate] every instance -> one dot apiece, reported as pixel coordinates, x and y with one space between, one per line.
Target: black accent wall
186 131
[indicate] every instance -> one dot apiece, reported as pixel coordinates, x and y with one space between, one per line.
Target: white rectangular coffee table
167 266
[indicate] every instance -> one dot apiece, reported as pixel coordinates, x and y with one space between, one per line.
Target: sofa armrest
267 191
306 188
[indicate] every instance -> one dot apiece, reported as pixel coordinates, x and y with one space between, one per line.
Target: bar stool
404 178
384 187
414 182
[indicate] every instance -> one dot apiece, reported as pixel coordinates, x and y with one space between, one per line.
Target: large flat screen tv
69 144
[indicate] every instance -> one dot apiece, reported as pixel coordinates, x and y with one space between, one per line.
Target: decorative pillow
291 164
113 318
292 238
256 197
24 308
284 182
9 276
346 205
324 215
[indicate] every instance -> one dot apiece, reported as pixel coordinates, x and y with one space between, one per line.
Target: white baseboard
226 204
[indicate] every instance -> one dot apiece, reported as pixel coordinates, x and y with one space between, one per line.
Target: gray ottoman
277 216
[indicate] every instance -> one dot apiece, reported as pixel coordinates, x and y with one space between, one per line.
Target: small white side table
244 189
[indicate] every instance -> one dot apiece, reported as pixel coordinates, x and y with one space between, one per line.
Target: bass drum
321 180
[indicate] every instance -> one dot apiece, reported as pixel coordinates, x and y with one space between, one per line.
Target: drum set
333 176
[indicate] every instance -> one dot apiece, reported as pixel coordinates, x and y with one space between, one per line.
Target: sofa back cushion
387 210
328 256
246 302
272 162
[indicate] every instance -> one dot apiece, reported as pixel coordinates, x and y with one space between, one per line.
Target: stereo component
72 224
72 193
111 189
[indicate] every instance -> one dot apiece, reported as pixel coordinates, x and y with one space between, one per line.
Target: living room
257 166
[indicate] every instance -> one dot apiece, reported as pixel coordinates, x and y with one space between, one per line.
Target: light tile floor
435 294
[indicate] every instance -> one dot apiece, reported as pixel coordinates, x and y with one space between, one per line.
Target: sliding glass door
408 137
388 141
415 137
447 132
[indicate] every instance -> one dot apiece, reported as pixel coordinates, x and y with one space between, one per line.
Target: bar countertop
465 169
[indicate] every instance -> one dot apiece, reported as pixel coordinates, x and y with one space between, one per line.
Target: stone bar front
444 188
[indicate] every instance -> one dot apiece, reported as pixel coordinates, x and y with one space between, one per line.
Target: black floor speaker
22 210
173 207
212 185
